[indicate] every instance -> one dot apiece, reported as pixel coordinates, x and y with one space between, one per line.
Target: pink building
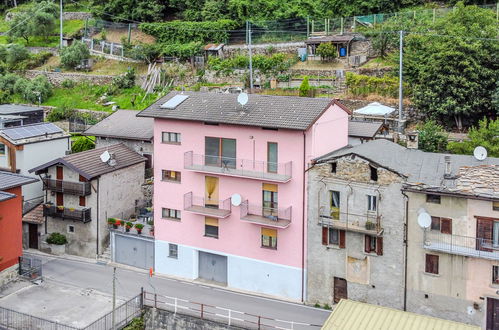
229 193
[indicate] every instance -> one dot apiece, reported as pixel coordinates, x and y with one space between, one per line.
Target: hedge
181 50
361 85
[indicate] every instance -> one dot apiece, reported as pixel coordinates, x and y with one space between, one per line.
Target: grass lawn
4 26
101 66
379 62
70 28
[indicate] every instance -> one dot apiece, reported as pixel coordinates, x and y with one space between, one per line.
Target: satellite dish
424 220
236 199
242 99
480 153
105 156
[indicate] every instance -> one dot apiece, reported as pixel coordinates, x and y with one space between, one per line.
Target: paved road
95 276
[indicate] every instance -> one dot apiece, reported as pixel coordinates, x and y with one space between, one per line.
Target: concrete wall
11 229
141 147
371 278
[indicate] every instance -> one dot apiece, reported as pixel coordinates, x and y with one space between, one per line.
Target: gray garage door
137 252
213 267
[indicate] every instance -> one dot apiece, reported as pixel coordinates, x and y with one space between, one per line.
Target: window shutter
342 239
379 246
483 231
324 235
367 243
446 226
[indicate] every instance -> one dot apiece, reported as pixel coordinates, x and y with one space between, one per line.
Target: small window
167 213
443 225
71 229
372 203
168 175
2 149
430 198
331 236
495 206
495 274
211 227
170 137
333 167
173 251
373 244
431 264
374 173
334 204
82 201
269 238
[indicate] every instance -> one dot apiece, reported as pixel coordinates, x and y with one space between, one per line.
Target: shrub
305 88
144 52
57 239
126 80
35 90
139 226
327 51
431 137
8 82
68 83
361 85
182 51
82 143
38 59
73 55
485 135
61 113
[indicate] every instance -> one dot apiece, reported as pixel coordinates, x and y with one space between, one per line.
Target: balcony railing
207 207
461 245
278 172
67 187
361 223
64 213
267 216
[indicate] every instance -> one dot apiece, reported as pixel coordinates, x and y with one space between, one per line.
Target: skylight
174 101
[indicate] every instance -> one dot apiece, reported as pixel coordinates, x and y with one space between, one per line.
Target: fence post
308 26
91 43
141 297
155 300
354 23
129 32
112 48
86 27
259 323
229 317
175 305
341 23
202 311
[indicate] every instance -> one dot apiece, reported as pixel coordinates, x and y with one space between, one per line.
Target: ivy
181 50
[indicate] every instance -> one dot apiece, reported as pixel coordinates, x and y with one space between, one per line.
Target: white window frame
171 137
372 203
168 213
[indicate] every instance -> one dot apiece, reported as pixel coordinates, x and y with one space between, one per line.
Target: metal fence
30 268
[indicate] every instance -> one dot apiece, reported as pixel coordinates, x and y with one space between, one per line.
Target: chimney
447 172
413 140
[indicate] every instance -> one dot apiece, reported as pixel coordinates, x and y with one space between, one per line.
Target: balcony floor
274 177
208 211
358 229
264 221
461 250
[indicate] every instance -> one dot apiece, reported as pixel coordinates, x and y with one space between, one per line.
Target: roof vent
174 101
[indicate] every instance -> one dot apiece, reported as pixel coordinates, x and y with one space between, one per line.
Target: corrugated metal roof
261 110
4 196
89 164
123 124
354 315
363 128
10 109
10 180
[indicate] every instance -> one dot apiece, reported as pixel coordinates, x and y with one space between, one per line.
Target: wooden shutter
82 201
431 264
483 231
342 239
82 178
324 235
367 243
446 226
379 246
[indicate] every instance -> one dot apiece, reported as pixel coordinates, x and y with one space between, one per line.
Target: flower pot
139 231
127 229
370 225
115 226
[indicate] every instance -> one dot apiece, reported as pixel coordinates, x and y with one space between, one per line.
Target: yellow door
211 191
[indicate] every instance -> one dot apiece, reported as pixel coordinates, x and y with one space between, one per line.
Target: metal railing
191 200
281 172
220 314
67 213
271 213
67 187
461 245
369 222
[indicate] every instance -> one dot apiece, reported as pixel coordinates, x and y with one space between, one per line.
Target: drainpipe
97 214
303 222
406 235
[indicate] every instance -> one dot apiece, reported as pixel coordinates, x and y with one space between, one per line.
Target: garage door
137 252
213 267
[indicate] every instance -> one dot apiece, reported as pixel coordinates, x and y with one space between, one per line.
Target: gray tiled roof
10 109
363 128
423 168
10 180
270 111
123 124
89 164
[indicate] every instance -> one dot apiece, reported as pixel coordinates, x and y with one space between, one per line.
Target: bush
305 88
61 113
126 80
82 143
73 55
144 52
327 51
57 239
485 135
361 85
8 82
182 51
431 137
35 90
274 64
68 83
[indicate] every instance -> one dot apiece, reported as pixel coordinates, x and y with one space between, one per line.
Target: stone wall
68 15
285 47
161 319
9 274
56 78
35 50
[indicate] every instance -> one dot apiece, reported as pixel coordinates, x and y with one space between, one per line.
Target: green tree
34 90
485 135
129 10
495 98
305 89
145 52
431 137
82 143
72 56
38 20
327 51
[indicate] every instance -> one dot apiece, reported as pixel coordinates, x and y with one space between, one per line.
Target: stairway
105 257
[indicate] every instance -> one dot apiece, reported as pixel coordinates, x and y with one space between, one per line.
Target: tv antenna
105 156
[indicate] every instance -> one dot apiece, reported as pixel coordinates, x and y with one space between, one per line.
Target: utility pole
114 298
250 57
60 19
401 91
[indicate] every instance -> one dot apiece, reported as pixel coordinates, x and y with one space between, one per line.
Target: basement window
374 173
71 229
430 198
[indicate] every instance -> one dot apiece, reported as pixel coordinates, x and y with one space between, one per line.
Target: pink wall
236 236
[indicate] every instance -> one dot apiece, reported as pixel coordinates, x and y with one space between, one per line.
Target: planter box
52 248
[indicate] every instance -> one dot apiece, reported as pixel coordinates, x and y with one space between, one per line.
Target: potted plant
139 228
120 222
133 217
57 243
151 231
60 207
370 225
112 221
128 225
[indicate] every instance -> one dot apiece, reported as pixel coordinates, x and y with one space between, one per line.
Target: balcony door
269 200
272 157
211 192
220 152
59 177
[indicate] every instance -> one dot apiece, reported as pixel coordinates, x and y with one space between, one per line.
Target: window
433 199
374 173
334 204
173 251
431 264
220 152
372 203
169 137
71 229
2 149
211 227
168 175
487 233
495 274
170 213
333 167
269 198
373 244
269 238
272 166
83 201
444 225
495 205
331 236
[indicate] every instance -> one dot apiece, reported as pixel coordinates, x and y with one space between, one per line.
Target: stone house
82 189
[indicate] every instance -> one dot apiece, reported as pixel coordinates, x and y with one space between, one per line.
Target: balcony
369 224
209 208
266 216
461 245
67 187
67 213
258 170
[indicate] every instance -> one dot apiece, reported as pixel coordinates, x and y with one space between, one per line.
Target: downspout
97 213
303 222
45 201
406 235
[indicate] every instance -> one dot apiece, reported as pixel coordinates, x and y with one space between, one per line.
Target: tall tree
38 20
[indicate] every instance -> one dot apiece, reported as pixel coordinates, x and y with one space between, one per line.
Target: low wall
67 15
284 47
9 274
56 78
36 50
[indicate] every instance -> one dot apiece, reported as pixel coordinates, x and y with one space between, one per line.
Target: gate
213 267
132 250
